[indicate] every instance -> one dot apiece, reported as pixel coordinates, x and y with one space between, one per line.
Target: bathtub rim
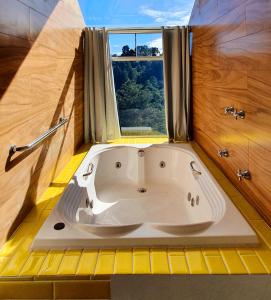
183 228
230 237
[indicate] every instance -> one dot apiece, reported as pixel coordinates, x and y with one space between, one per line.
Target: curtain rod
132 30
135 30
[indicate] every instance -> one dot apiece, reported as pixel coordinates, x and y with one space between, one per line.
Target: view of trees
140 91
140 51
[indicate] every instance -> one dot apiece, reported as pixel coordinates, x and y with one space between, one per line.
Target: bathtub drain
59 226
142 190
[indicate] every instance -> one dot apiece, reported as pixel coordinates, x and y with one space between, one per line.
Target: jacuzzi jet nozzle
141 153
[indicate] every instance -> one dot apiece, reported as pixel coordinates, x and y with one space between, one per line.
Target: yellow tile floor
17 262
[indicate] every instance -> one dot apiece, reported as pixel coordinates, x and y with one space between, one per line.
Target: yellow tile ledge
17 262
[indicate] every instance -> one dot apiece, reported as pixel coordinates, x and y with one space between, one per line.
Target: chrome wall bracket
223 153
243 174
229 110
239 114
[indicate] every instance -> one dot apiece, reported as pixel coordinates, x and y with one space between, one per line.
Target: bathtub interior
156 186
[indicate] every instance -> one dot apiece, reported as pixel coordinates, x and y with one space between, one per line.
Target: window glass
149 44
140 97
126 45
122 44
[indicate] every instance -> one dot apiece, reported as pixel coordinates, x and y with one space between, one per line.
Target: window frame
136 31
138 58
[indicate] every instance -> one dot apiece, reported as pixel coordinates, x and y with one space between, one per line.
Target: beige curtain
177 82
101 122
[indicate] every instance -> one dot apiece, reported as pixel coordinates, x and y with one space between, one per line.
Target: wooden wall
232 67
41 80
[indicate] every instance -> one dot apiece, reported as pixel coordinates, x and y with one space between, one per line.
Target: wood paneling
41 80
18 25
232 67
226 27
260 166
258 16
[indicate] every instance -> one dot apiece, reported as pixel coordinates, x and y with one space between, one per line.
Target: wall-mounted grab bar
40 139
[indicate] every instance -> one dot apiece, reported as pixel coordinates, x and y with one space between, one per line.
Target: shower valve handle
229 110
239 114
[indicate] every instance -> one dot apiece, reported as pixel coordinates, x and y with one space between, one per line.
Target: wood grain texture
232 67
260 166
258 16
41 80
18 25
225 27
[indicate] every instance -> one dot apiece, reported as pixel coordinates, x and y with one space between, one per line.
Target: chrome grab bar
40 139
194 171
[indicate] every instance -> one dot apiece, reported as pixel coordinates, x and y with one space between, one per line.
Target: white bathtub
143 195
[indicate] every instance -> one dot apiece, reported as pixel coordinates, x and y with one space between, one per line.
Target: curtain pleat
100 106
177 82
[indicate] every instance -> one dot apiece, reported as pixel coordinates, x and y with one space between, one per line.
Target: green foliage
140 51
146 51
126 51
140 93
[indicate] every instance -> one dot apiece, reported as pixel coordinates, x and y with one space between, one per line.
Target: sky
136 13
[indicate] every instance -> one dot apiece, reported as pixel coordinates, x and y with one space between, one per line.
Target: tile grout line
243 262
115 262
133 262
186 259
169 264
44 258
77 264
98 255
114 257
206 263
77 267
262 262
150 260
224 261
96 262
62 258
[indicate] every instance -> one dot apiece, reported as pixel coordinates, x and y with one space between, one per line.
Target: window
138 75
